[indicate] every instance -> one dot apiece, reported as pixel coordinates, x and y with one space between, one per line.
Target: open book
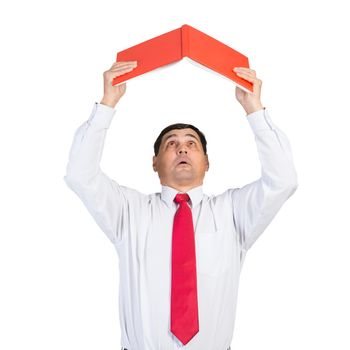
177 44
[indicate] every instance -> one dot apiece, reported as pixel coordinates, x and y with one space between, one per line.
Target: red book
189 42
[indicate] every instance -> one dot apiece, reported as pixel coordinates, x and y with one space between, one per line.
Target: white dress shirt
140 228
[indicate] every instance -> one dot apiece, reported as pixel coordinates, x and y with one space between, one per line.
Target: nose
182 150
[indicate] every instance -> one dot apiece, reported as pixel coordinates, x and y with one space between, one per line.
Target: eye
171 143
191 143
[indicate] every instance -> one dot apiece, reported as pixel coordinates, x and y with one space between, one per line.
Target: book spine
185 42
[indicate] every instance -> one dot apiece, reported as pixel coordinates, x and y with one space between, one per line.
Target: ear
207 162
155 163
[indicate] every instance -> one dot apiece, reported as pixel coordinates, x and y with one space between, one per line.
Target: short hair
179 126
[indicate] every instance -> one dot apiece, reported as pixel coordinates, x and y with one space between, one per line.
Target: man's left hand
250 101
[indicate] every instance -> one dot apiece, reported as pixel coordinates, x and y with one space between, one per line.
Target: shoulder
225 196
134 196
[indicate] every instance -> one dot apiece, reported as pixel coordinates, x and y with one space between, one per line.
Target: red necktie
184 303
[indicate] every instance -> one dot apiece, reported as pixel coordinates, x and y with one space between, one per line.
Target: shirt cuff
260 120
101 115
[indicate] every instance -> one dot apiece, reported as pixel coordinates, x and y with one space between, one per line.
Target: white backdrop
58 271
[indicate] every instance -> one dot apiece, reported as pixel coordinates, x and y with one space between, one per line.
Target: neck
182 188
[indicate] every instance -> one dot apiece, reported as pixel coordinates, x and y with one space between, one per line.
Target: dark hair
179 126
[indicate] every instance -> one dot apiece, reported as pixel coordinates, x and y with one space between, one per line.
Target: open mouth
183 163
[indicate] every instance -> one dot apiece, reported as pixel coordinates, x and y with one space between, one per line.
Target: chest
216 245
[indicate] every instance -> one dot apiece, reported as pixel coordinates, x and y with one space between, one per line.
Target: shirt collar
168 194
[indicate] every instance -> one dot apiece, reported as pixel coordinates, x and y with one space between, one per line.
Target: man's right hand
112 94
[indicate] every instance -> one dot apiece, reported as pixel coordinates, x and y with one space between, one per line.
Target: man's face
181 162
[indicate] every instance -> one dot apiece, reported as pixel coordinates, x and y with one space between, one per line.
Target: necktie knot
181 197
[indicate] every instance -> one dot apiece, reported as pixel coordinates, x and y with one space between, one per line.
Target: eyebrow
175 135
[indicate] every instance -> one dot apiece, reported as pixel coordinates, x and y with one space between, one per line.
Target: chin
185 181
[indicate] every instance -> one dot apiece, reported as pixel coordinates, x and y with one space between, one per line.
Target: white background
58 271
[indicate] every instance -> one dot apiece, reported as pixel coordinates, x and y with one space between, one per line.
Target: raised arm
102 196
255 204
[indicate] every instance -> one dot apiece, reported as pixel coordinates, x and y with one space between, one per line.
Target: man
180 251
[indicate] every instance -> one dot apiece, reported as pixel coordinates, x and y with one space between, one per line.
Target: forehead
180 133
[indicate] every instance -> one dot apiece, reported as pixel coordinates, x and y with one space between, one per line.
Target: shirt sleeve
103 197
256 204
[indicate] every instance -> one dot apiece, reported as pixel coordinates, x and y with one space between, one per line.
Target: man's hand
112 94
250 101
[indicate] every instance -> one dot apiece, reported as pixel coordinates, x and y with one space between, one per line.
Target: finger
124 69
124 63
244 69
116 73
124 66
249 77
246 76
248 71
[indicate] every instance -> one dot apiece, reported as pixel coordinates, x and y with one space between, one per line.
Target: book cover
188 42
